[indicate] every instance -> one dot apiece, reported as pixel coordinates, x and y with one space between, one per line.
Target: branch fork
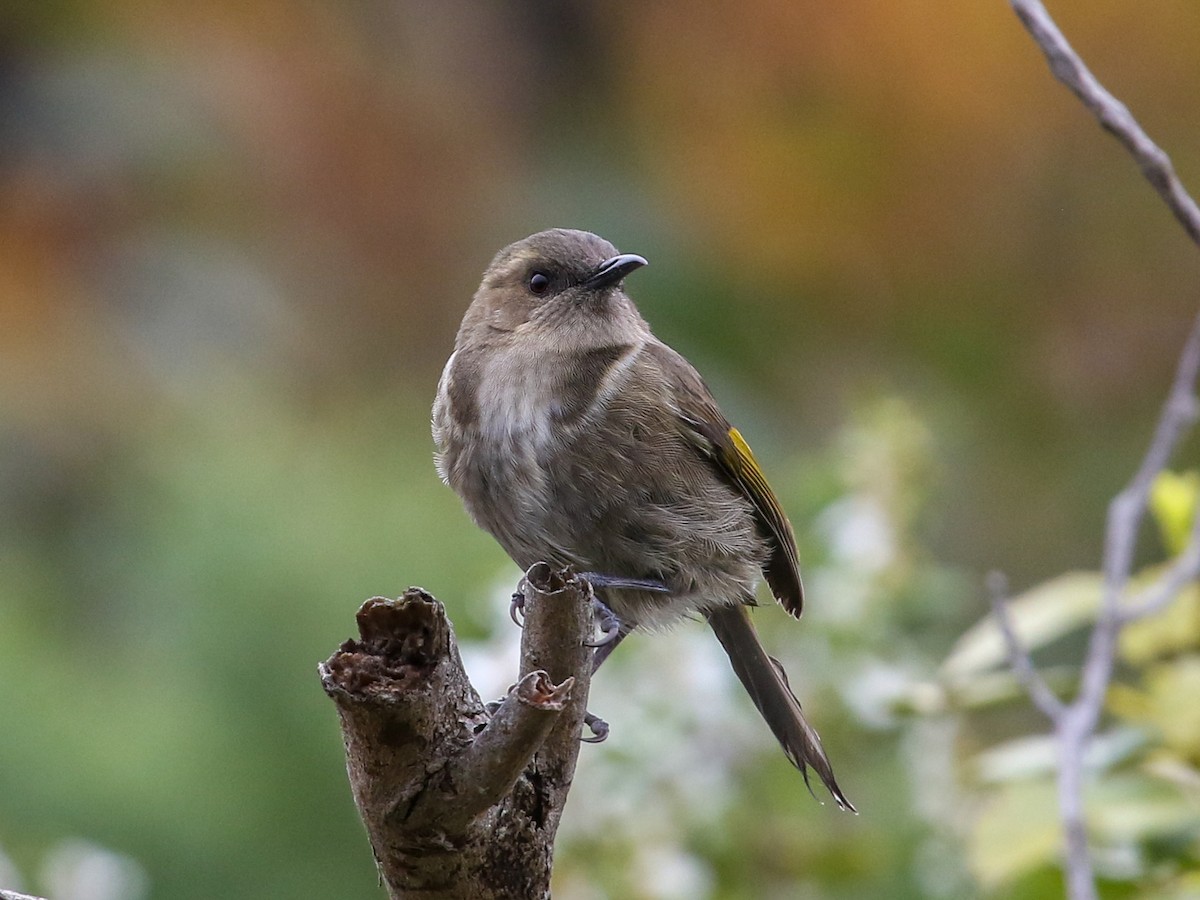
459 803
1075 721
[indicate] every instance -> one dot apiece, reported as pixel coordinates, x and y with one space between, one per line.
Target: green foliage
174 687
1173 501
1143 798
1040 616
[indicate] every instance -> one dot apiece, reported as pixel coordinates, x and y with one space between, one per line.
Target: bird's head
561 286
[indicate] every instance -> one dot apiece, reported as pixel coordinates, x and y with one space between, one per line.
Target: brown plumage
576 437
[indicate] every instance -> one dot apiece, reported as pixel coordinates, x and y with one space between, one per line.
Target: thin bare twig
1075 722
1112 114
1125 516
1018 655
1178 414
1158 596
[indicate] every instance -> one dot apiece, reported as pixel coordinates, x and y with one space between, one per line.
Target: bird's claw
597 726
516 606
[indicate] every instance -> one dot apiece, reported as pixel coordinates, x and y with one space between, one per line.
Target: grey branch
1184 569
1179 413
1112 114
1125 516
1075 722
1018 656
13 895
457 803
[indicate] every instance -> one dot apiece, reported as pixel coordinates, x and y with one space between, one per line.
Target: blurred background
236 240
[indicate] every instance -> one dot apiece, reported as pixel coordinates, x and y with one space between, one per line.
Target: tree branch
487 768
457 803
1125 516
1018 656
1075 723
1155 598
1112 114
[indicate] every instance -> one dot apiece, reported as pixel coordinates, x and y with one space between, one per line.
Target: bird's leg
613 630
607 645
606 617
617 582
611 626
604 648
608 623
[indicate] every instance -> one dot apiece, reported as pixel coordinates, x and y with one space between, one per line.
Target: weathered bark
460 803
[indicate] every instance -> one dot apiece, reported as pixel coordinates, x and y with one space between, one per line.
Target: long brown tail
764 679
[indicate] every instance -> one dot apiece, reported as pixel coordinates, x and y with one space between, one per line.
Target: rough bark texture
460 803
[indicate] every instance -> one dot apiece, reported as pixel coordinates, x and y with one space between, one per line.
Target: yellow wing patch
748 470
743 449
750 476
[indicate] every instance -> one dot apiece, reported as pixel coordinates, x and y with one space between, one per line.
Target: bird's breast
516 403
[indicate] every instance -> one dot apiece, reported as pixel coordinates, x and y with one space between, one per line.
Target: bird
576 437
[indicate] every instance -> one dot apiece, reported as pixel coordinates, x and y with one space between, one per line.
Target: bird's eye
539 283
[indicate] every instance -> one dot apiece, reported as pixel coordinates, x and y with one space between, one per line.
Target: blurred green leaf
979 692
1184 887
1036 756
1174 630
1173 503
1135 806
1168 702
1017 830
1173 770
1040 616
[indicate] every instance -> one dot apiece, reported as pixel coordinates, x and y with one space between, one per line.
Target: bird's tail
765 681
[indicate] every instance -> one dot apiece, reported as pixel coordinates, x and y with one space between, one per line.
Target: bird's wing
723 445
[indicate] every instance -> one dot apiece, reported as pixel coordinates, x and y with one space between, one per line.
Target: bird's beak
613 270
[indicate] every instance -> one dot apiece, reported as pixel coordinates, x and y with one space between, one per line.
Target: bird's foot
611 628
597 726
608 623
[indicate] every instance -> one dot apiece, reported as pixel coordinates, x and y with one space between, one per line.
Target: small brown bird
576 437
